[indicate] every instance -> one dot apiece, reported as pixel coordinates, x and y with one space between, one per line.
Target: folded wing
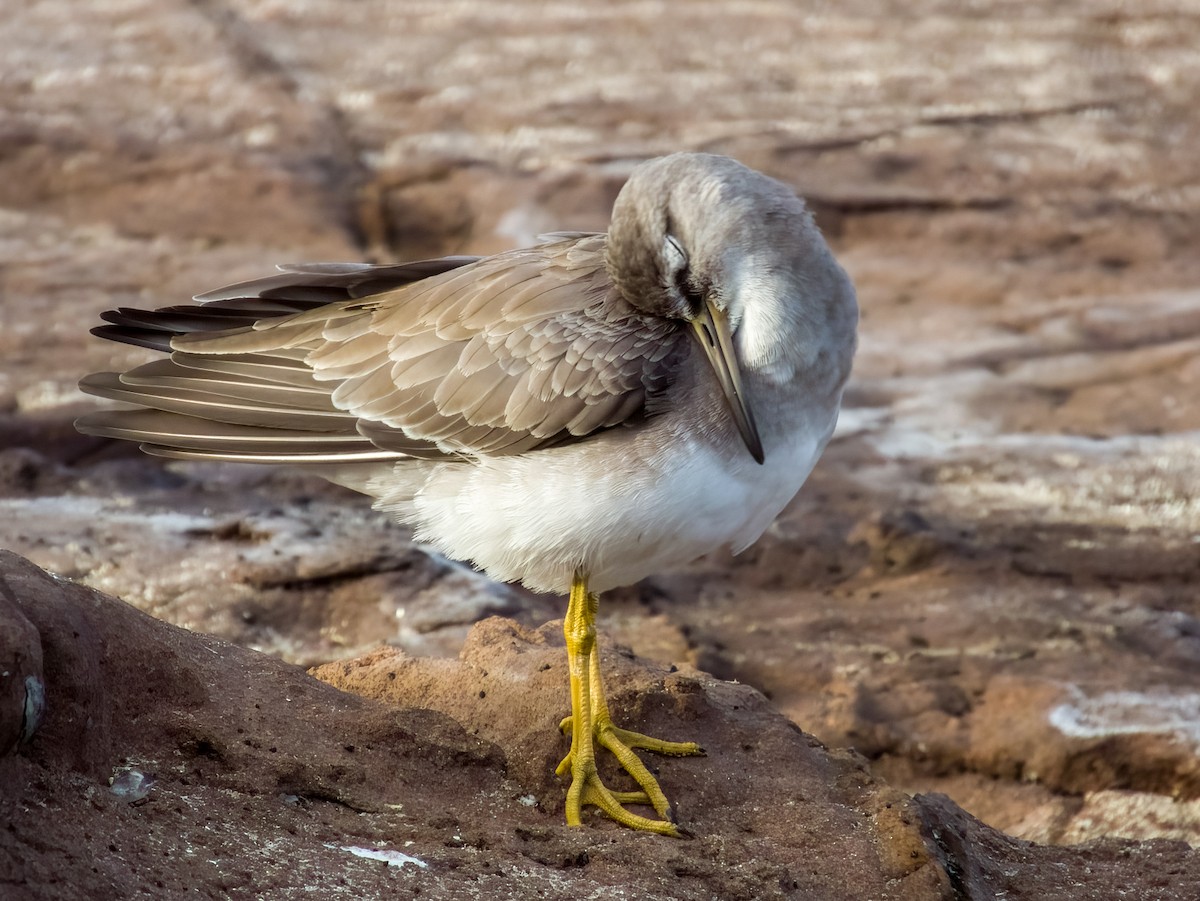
441 359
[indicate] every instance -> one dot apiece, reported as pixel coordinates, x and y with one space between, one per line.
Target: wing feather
437 359
432 367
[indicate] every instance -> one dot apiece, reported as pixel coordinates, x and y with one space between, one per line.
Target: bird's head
694 237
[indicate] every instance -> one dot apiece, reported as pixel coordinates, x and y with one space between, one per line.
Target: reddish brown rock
173 763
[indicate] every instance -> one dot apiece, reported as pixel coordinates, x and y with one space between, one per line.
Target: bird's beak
712 331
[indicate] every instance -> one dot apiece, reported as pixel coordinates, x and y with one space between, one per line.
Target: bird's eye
681 276
689 292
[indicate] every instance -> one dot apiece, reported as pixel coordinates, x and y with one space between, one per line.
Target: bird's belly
618 517
700 508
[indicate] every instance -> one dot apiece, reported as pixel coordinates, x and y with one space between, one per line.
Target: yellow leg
590 723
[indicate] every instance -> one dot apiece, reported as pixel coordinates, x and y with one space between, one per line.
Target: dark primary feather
320 283
297 287
437 359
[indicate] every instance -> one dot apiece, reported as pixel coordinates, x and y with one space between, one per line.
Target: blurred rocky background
989 588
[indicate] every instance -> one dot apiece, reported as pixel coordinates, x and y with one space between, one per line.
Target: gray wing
501 355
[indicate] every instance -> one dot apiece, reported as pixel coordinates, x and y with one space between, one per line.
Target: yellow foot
590 724
586 787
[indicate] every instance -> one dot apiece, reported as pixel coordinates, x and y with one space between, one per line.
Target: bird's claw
587 788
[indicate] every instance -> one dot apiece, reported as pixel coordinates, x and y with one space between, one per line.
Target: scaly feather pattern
439 359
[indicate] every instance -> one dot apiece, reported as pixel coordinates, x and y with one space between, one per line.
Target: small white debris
528 800
391 858
129 783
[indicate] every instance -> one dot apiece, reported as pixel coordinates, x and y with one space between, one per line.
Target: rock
266 769
22 686
1134 815
181 763
984 863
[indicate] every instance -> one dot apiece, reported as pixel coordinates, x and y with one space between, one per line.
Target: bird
574 415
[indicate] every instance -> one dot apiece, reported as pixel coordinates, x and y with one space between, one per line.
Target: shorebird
575 415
